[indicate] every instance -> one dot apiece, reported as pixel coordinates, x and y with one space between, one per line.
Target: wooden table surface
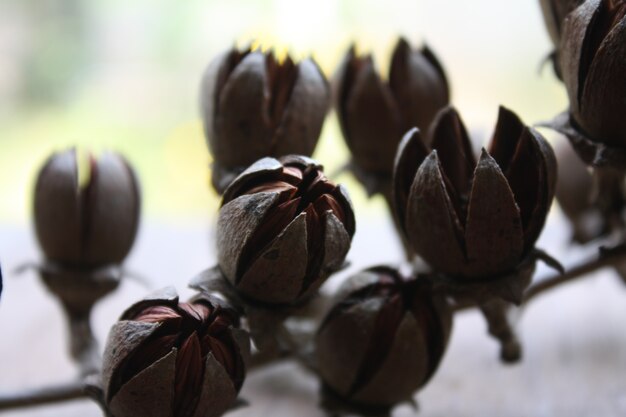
574 339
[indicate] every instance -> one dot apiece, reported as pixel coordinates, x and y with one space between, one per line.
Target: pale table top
574 339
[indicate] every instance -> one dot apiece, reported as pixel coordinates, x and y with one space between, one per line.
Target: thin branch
611 257
46 395
607 258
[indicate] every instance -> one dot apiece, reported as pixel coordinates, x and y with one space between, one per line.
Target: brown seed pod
554 12
282 229
593 61
384 338
90 225
574 192
374 114
471 219
170 359
255 106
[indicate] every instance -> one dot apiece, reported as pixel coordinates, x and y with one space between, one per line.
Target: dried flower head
90 223
282 229
171 359
374 114
254 105
384 338
473 219
593 61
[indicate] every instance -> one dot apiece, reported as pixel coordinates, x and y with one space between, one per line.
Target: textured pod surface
554 12
374 114
383 339
471 219
282 229
91 224
593 61
254 106
171 359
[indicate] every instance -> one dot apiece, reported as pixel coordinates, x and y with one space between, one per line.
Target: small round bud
171 359
384 338
282 229
86 223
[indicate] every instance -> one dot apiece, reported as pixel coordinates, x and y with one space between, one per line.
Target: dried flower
384 339
468 219
86 225
171 359
593 61
374 115
283 227
255 106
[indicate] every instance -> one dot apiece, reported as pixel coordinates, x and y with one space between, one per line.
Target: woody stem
47 395
613 257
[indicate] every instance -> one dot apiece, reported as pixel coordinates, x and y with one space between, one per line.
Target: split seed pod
554 12
90 225
254 106
374 114
467 219
593 61
384 338
171 359
282 229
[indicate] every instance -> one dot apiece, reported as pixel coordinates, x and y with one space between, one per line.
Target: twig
46 395
607 257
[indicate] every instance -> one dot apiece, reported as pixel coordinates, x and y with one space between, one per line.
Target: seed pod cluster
254 106
471 219
282 229
165 358
383 339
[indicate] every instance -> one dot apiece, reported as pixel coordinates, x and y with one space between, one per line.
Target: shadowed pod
473 219
383 339
283 228
374 114
593 61
254 105
166 358
90 224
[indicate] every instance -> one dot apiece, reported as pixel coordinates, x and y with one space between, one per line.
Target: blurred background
124 75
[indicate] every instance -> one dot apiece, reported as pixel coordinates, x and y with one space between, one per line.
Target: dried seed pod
374 115
593 62
471 219
574 193
255 106
282 229
171 359
86 225
554 12
384 338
